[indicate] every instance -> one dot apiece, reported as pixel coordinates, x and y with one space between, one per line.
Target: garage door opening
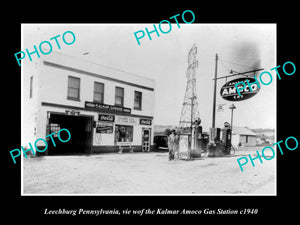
80 128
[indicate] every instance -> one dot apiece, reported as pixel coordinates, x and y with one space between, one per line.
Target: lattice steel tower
189 110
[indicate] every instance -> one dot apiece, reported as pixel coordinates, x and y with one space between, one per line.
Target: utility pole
215 89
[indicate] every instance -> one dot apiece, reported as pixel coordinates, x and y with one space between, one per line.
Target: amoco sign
229 91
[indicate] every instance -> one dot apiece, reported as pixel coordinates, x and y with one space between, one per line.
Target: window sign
106 128
107 108
127 120
106 118
145 122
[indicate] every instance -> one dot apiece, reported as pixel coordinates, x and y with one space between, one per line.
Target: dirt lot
147 173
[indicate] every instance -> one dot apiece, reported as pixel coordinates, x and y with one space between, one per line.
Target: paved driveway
147 173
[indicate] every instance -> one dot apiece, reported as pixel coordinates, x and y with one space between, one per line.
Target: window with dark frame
31 83
73 88
98 92
123 133
137 100
119 96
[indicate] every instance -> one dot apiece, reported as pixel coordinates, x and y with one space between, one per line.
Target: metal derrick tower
189 112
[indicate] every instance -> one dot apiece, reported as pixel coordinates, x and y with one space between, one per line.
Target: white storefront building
100 106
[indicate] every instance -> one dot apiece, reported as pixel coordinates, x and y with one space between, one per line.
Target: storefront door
146 139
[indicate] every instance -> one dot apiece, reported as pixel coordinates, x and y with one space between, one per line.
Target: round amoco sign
229 91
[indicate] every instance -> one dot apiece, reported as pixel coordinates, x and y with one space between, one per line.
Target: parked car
161 142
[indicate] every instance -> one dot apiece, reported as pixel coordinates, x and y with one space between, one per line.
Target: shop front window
123 133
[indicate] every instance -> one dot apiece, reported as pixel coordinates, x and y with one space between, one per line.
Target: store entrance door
146 139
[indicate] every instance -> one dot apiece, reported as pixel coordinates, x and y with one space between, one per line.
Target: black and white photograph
127 111
143 109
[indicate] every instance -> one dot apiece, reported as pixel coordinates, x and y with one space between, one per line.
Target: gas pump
198 133
196 139
226 138
220 141
214 145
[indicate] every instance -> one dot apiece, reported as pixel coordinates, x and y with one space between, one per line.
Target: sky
240 47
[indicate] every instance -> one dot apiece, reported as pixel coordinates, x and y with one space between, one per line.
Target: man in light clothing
173 140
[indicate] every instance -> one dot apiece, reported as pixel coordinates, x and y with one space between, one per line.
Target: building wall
240 138
54 83
251 141
99 139
52 88
29 105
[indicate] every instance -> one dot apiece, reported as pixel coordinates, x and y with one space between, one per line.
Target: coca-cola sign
145 122
106 118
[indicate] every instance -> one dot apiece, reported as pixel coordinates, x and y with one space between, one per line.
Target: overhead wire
229 70
237 64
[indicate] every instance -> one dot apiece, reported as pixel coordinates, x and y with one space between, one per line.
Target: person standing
176 147
172 139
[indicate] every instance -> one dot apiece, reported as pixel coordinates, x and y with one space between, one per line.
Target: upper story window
73 88
119 96
137 100
98 92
